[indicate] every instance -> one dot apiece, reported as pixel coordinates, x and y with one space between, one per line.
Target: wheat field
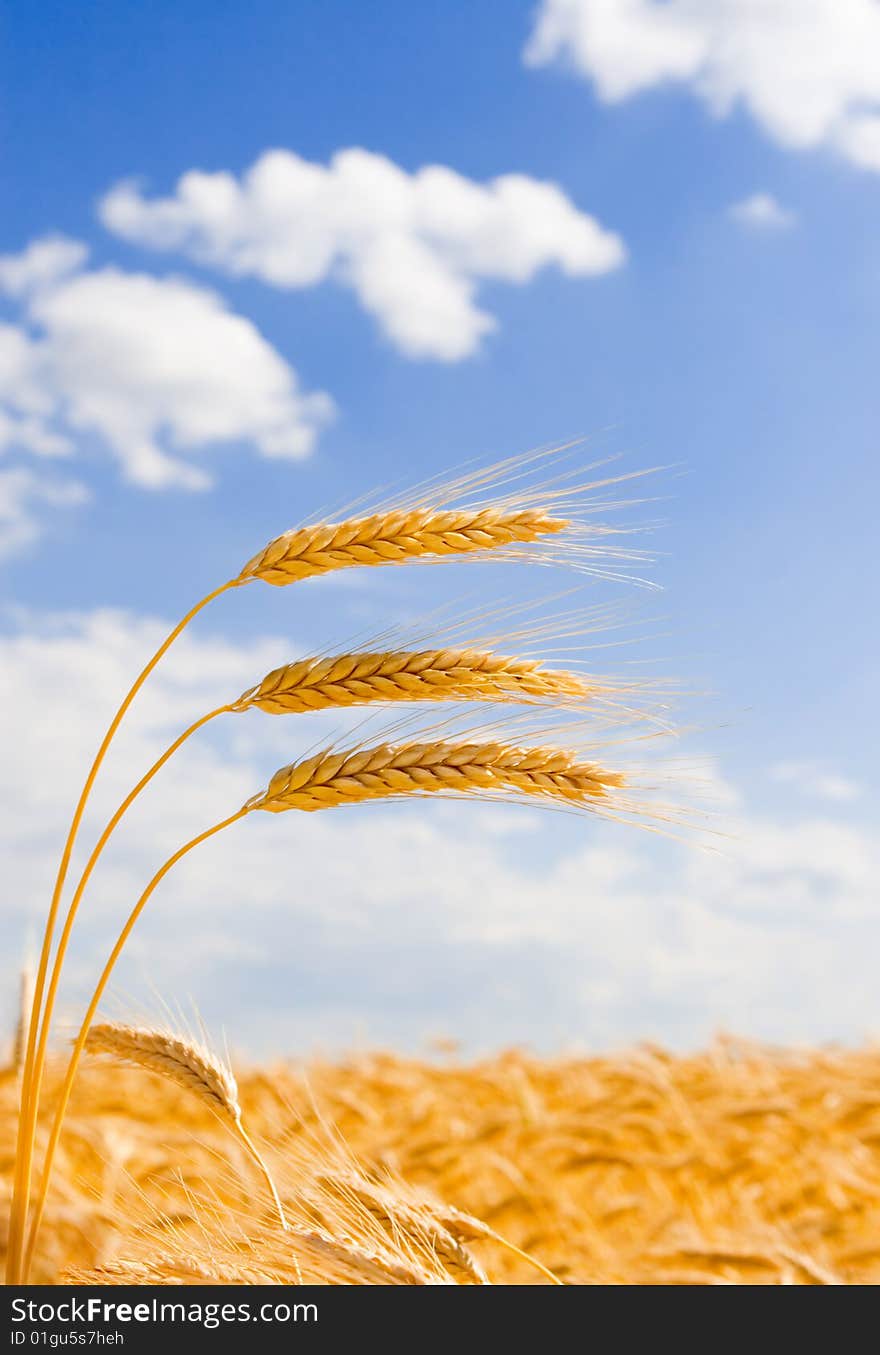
738 1165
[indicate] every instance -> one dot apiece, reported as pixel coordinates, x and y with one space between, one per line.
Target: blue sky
707 297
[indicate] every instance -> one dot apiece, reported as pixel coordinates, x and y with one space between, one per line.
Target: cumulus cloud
762 212
23 494
815 780
806 70
412 247
407 920
157 368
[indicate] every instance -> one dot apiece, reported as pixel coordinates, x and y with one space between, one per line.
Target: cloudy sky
258 258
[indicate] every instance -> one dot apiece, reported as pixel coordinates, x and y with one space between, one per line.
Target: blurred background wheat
739 1165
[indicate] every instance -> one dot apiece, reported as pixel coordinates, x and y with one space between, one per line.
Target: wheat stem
31 1074
258 1159
80 1042
89 867
19 1039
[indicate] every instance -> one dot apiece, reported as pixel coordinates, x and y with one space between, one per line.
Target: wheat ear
336 778
394 538
410 675
391 1212
466 1228
323 1257
192 1066
447 1228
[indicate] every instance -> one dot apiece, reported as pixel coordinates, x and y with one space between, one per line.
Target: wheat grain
329 778
406 675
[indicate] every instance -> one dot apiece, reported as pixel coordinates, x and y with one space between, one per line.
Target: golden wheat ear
309 1256
330 779
398 1216
395 538
413 675
505 510
190 1065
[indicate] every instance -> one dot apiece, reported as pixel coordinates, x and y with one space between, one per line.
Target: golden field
738 1165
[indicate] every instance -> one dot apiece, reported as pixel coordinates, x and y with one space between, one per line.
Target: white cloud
814 780
157 368
40 264
409 919
806 70
22 494
412 247
762 212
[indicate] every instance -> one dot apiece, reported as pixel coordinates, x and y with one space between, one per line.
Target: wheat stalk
410 675
394 538
188 1063
329 778
20 1037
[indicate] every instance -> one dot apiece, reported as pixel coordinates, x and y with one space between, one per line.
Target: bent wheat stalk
64 939
191 1066
79 1044
32 1072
